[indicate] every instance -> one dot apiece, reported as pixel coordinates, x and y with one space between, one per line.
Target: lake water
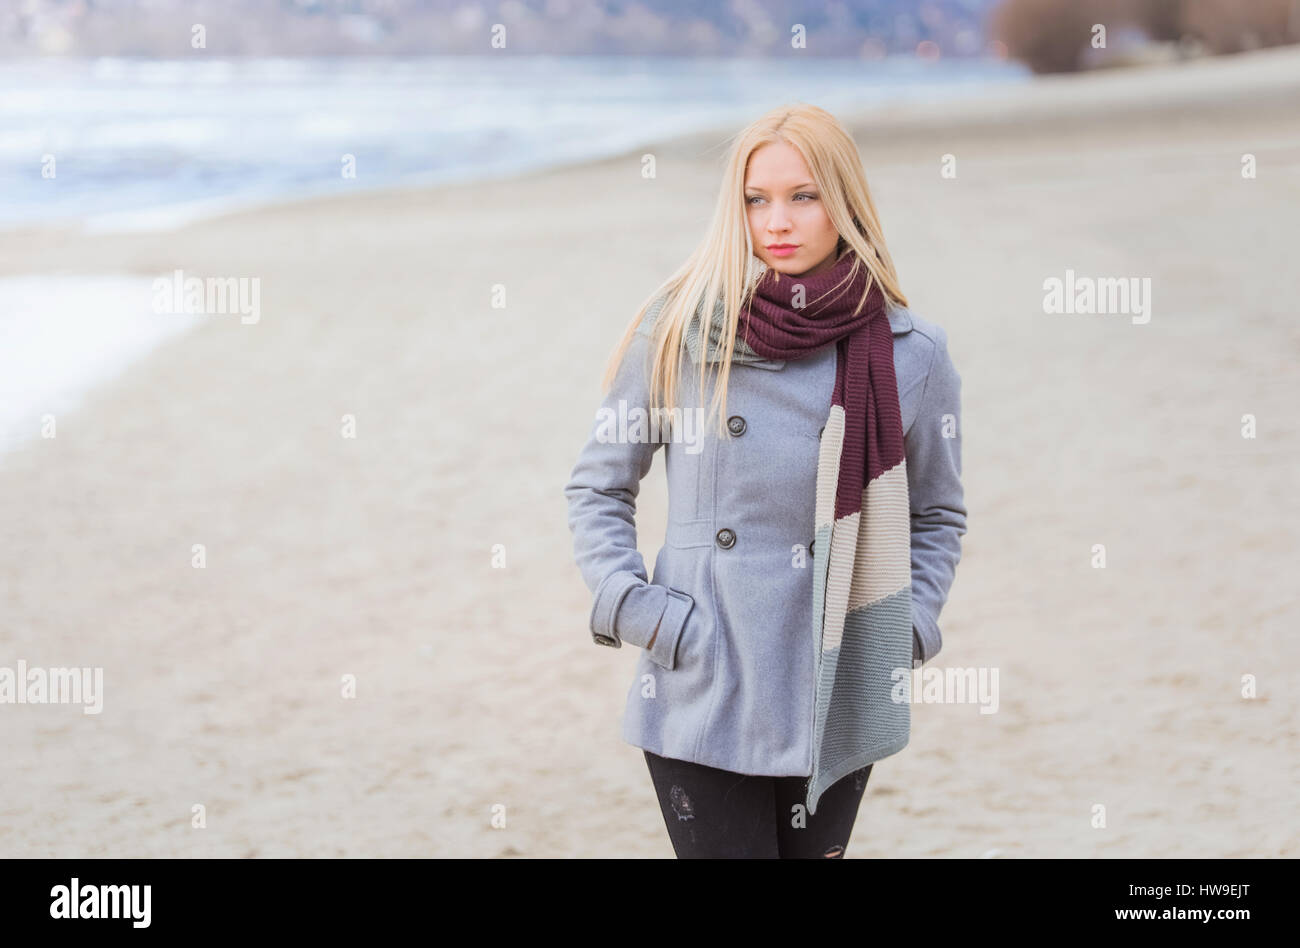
151 144
117 145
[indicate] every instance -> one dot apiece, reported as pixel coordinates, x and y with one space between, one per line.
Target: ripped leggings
717 814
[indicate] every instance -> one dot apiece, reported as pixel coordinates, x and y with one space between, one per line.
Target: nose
777 220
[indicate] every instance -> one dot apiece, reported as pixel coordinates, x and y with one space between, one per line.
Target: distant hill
164 28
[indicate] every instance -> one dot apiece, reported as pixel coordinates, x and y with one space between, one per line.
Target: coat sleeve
601 493
938 509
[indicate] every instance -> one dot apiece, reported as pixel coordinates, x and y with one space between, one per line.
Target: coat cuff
604 607
926 640
628 609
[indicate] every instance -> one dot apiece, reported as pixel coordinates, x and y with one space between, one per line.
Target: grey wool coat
729 680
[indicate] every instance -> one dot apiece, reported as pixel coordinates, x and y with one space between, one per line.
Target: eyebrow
806 184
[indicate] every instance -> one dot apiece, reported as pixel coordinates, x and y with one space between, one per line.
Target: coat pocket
652 616
663 651
688 621
688 534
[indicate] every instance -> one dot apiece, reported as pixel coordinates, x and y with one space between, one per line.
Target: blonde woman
812 443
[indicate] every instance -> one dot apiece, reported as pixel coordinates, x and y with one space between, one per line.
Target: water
149 144
60 336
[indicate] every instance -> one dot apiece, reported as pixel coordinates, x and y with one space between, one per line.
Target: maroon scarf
862 609
865 384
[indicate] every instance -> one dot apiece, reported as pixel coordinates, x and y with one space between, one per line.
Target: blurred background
442 213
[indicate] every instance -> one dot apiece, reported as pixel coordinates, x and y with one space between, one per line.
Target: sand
478 692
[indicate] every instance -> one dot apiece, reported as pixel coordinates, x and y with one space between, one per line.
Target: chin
789 265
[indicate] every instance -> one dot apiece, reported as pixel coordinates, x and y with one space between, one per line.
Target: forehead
776 163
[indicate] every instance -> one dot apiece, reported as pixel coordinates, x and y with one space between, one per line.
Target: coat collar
900 320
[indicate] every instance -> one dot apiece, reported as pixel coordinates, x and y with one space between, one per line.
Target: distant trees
1054 35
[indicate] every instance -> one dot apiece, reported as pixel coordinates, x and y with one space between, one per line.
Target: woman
815 507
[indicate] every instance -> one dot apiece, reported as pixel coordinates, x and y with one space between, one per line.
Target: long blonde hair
719 266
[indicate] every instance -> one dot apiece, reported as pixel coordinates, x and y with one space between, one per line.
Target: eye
802 194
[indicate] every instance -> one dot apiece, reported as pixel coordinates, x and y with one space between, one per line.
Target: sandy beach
478 691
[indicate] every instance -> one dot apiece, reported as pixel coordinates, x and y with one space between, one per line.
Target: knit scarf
862 607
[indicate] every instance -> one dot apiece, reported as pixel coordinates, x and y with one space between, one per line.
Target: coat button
726 538
811 545
736 425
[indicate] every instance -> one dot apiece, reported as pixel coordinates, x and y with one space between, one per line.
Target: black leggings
717 814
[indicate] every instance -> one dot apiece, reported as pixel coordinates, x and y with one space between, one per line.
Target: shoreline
1039 104
561 120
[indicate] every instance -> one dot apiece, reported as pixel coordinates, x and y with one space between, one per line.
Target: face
787 220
